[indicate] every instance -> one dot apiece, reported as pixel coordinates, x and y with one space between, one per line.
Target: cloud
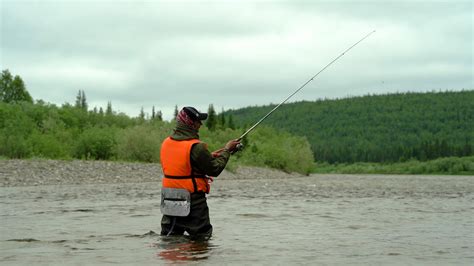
234 53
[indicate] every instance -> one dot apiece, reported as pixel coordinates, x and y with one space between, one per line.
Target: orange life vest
176 163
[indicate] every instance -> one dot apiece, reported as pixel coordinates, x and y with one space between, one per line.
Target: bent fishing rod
301 87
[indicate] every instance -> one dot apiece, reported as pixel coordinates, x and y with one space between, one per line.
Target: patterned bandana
184 118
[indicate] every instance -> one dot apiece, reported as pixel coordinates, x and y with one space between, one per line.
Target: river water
317 220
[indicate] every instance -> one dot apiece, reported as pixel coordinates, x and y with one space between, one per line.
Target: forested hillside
378 128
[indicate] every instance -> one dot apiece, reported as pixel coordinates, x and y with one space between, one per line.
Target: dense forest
377 128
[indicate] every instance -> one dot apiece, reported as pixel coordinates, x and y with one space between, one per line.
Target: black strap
192 177
195 185
185 177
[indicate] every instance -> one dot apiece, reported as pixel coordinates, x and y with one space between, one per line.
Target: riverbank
36 172
440 166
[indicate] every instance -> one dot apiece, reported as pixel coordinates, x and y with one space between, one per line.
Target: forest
412 133
377 128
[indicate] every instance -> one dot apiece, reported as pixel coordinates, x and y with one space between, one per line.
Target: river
317 220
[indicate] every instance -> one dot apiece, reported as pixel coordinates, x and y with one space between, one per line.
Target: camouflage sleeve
203 162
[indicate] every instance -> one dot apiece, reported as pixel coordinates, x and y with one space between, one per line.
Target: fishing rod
301 87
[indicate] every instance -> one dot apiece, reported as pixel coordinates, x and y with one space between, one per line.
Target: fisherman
188 169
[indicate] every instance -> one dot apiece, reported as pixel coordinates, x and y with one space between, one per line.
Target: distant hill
377 128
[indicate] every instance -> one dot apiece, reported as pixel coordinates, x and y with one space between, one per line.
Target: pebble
37 172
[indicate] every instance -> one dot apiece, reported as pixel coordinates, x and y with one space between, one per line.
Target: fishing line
301 87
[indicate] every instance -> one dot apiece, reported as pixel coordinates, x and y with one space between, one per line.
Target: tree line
377 128
36 129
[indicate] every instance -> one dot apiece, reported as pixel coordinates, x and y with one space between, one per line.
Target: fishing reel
239 147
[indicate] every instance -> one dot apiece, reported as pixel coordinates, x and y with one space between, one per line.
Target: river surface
315 220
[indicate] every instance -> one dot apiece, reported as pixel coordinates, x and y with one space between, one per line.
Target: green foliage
96 143
379 128
44 130
373 128
221 121
12 89
109 111
175 112
15 128
142 142
449 166
48 146
211 121
230 122
267 148
81 101
156 115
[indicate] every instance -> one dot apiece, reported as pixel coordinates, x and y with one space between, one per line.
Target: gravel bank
54 172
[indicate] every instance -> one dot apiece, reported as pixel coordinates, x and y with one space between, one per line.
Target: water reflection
183 248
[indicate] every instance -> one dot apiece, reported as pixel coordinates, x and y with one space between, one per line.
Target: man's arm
203 162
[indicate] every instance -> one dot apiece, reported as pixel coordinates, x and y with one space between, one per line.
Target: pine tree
230 122
142 114
109 111
81 101
84 101
78 99
153 113
221 119
175 112
159 116
211 118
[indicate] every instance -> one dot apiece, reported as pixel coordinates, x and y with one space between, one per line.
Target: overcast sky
233 53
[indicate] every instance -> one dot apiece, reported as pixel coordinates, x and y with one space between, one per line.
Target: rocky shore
56 172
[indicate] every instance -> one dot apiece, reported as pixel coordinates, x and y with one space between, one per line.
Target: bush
143 142
96 143
271 148
15 128
48 146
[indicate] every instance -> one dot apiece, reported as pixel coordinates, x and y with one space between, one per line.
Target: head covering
188 115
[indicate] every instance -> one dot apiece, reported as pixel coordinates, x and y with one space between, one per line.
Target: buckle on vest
175 202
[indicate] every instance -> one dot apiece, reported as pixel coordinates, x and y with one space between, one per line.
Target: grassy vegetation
447 166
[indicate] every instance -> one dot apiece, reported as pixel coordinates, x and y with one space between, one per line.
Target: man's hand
231 146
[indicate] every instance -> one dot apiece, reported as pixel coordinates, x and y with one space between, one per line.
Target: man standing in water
187 167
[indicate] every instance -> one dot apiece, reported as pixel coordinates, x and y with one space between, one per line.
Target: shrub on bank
96 143
142 142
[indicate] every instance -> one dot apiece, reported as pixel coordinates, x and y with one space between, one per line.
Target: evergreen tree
142 114
211 118
175 112
81 101
84 101
13 89
78 99
109 111
159 116
221 119
153 113
101 111
230 122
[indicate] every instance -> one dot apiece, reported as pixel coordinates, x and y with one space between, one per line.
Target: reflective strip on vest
176 163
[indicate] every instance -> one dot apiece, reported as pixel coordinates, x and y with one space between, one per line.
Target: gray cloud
234 53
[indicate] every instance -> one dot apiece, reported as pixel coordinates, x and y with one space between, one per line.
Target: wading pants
196 224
